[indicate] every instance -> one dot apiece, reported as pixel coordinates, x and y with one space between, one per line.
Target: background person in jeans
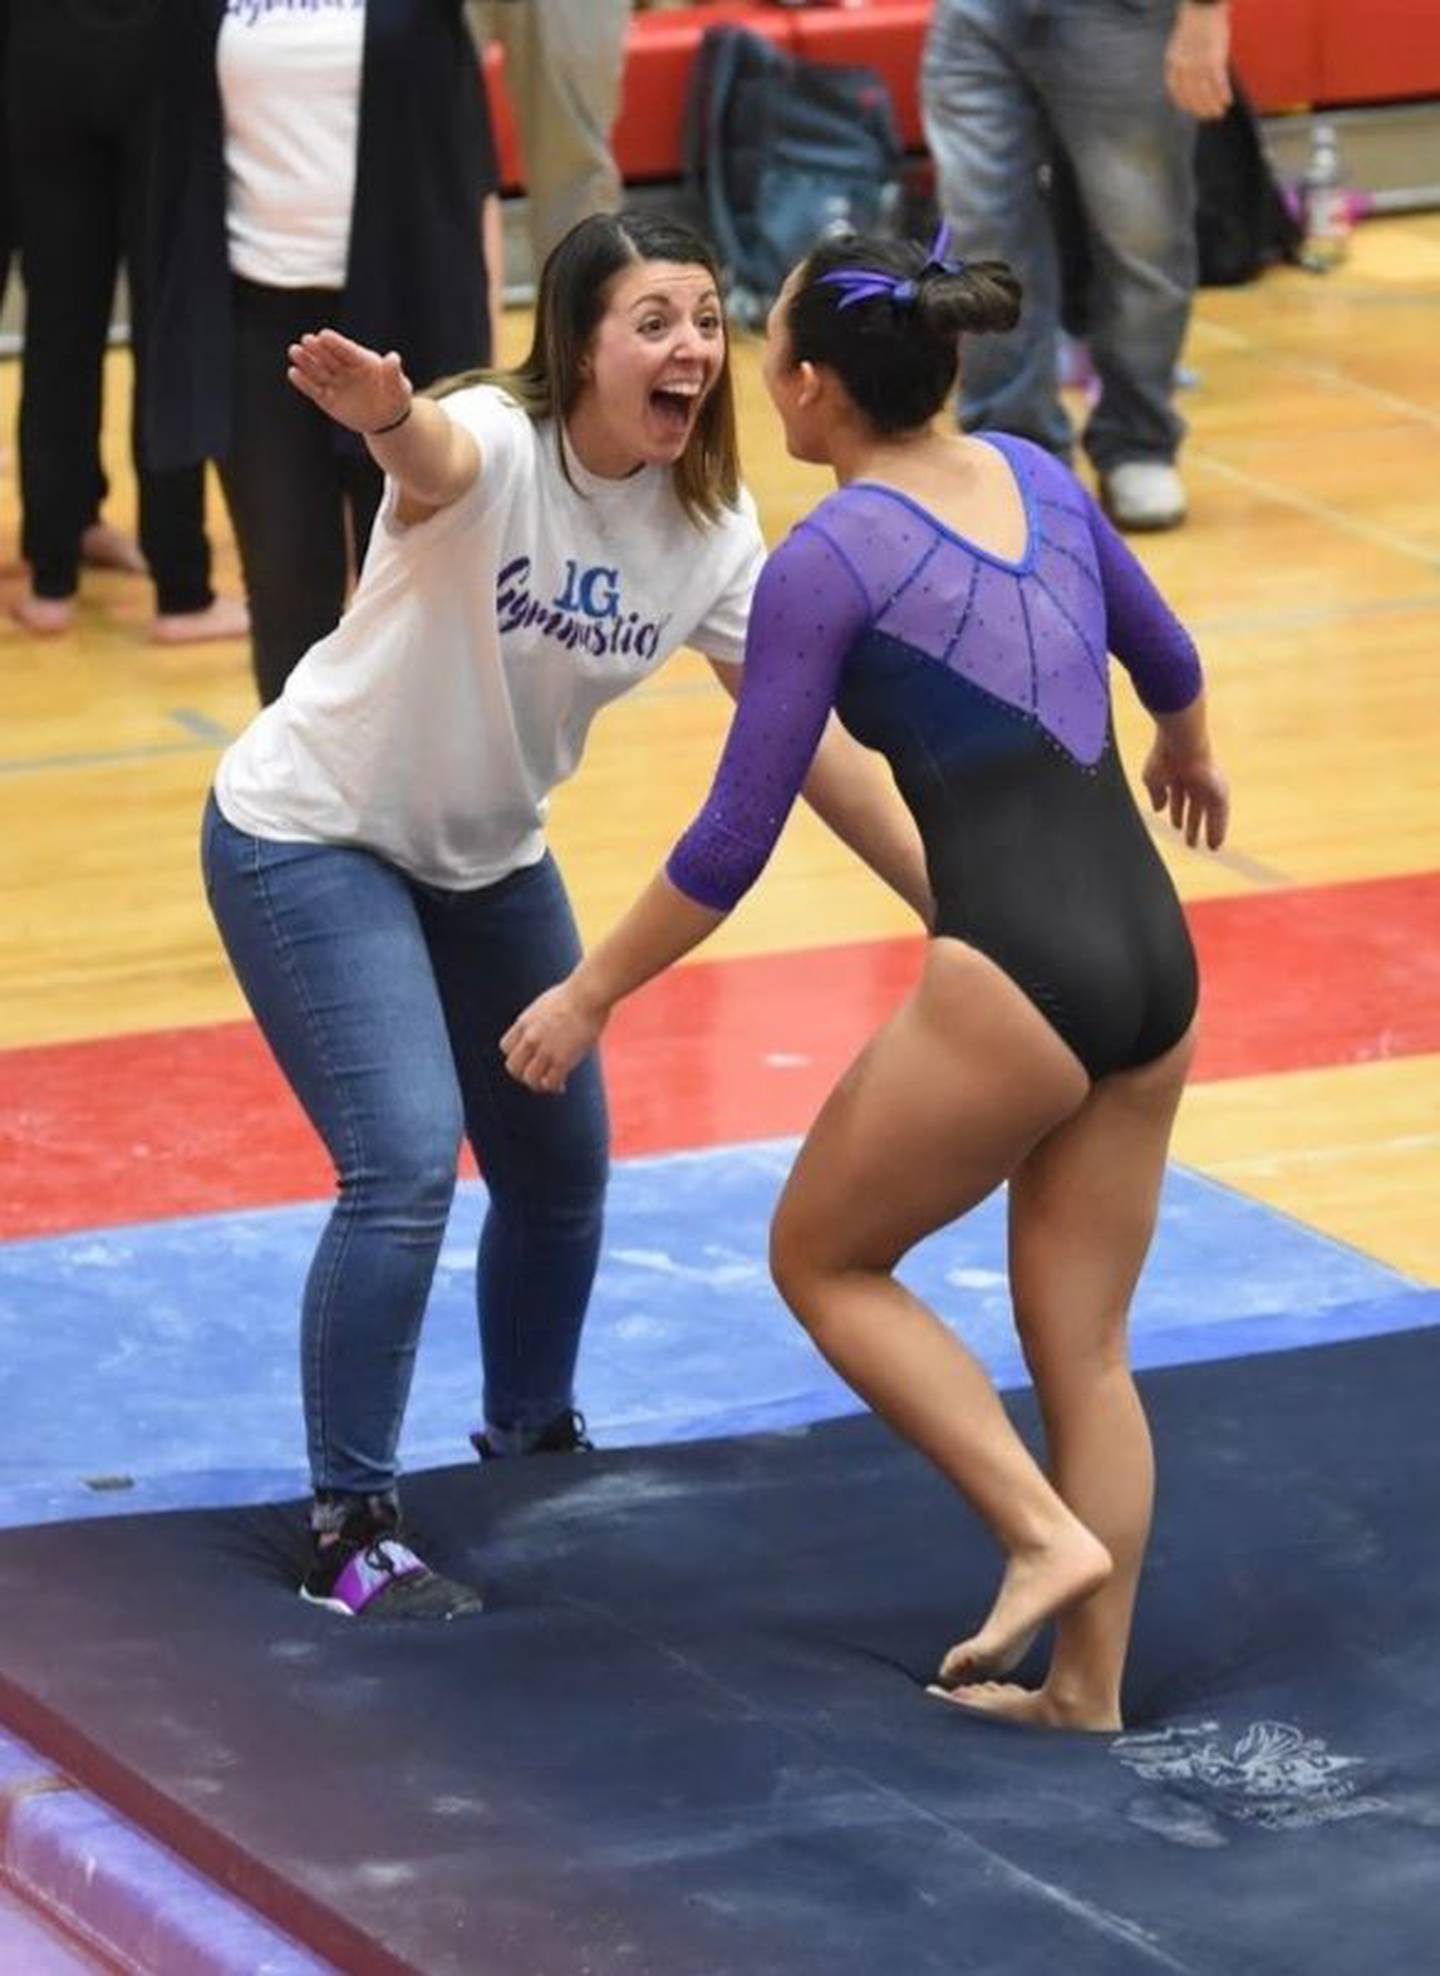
1115 85
375 851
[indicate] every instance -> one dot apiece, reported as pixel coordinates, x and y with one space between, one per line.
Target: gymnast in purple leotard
954 603
982 680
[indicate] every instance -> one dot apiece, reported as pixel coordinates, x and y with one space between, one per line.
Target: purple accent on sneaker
364 1579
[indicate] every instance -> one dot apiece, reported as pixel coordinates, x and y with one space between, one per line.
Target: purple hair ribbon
935 261
865 284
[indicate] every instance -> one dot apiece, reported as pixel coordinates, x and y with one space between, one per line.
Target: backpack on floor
780 152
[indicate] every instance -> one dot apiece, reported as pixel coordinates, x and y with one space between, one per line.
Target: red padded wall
1290 54
1275 46
1383 49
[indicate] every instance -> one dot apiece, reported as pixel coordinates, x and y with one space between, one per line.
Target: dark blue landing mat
690 1738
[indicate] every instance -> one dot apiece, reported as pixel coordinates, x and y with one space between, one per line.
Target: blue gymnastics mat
690 1738
157 1366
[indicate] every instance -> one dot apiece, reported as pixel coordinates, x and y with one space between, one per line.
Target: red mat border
187 1121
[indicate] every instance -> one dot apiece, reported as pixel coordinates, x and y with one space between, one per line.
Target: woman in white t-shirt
313 164
374 849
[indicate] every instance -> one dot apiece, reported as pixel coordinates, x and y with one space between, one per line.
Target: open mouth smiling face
657 354
675 404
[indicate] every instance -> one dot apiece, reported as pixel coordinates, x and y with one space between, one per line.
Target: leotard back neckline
1013 565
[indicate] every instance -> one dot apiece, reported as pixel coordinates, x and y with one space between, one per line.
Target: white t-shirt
289 75
458 689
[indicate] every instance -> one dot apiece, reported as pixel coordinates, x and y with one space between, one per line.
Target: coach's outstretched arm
413 440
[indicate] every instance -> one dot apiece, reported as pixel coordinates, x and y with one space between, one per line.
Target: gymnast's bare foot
104 547
1038 1583
225 617
1007 1662
1037 1707
47 617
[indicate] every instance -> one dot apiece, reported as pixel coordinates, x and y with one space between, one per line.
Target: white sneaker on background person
1143 494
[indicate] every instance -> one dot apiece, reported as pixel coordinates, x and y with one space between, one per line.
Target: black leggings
79 103
302 500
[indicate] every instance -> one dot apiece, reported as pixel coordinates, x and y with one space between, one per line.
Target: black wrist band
376 430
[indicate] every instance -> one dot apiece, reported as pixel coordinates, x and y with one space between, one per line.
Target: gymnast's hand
357 387
546 1041
1192 788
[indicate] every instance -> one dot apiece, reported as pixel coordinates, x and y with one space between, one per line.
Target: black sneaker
564 1435
368 1571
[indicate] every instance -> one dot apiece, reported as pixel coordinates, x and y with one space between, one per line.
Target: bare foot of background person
46 617
227 617
104 547
1035 1706
1037 1585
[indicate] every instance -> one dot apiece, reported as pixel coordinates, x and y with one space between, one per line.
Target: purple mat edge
110 1885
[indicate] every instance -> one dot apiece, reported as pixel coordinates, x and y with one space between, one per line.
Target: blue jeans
1004 82
383 1001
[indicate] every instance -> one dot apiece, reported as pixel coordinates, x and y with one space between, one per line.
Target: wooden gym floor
1309 572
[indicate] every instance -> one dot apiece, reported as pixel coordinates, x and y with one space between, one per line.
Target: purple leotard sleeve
808 609
1141 629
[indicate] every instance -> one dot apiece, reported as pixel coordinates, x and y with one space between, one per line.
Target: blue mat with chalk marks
162 1360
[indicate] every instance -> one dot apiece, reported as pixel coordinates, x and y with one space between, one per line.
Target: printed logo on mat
1273 1776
